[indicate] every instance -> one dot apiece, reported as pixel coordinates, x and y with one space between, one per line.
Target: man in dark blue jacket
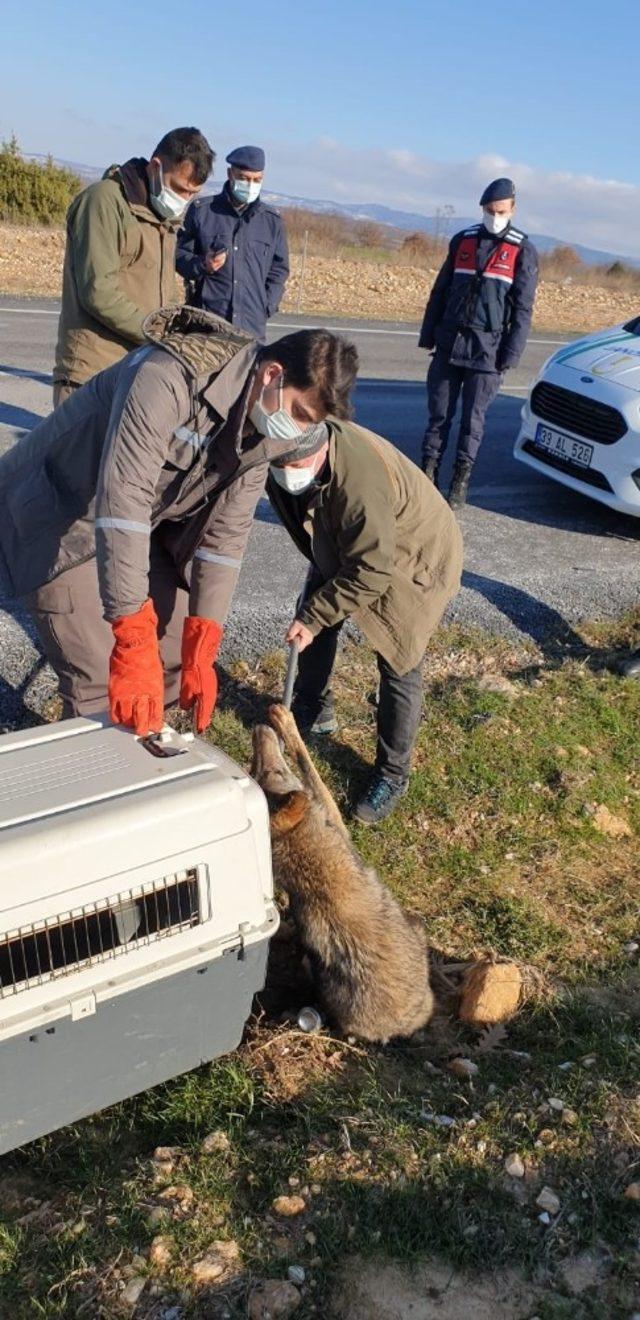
477 319
232 251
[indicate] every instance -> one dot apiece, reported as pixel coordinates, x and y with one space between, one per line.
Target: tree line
34 192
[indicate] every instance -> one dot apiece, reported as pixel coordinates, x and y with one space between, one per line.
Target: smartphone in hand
215 259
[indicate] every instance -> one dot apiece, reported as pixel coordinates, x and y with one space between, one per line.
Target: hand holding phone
215 259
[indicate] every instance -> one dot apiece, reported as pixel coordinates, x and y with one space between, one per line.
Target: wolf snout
266 750
268 767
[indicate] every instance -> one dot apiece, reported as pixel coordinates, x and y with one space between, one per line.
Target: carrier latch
82 1007
162 744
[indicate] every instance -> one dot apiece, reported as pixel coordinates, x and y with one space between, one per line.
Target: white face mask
495 224
293 480
245 191
166 203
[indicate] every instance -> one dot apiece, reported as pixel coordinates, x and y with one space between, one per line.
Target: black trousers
399 702
444 386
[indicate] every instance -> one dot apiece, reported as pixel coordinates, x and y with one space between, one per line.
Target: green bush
33 193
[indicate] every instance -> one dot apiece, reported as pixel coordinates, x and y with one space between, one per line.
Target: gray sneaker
380 799
630 668
320 724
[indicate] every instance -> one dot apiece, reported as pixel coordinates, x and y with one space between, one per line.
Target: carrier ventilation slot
95 932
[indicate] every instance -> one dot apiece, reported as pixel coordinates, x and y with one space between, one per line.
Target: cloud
575 208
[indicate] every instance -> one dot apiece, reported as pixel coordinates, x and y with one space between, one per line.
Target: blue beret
247 158
501 190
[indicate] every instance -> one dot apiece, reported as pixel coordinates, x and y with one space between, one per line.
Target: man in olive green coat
120 255
385 551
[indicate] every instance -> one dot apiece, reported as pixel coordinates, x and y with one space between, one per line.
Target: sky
412 105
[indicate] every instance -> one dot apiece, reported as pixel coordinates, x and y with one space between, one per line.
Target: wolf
369 959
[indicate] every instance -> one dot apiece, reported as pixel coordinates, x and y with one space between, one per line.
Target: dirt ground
433 1291
377 1291
31 265
367 289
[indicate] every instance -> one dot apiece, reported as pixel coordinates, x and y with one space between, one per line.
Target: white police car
581 422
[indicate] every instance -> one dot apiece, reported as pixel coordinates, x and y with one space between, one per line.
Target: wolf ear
289 812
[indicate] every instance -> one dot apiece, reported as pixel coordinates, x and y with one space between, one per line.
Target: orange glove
201 640
136 680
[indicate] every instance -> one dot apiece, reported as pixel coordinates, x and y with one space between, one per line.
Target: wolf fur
369 958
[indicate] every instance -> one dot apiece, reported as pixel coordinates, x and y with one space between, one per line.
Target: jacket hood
132 177
201 341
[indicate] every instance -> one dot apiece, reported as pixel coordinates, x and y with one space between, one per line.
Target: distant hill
90 173
410 221
445 227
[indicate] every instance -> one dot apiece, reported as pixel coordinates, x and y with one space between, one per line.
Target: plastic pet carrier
136 907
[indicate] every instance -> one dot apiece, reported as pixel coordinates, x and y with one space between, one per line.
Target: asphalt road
537 556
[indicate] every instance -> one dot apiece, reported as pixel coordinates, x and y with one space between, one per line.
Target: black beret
247 158
501 190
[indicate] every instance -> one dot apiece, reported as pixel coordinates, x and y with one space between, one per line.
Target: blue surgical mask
278 425
166 203
245 191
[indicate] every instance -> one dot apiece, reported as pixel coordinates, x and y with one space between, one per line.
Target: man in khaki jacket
120 255
385 551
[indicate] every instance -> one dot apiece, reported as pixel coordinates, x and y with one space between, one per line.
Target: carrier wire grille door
93 933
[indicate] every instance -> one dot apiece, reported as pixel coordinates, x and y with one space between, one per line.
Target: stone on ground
219 1259
490 993
273 1300
288 1206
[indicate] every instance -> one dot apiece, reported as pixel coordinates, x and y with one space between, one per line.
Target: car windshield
633 326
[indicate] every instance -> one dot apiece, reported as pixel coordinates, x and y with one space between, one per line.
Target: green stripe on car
599 343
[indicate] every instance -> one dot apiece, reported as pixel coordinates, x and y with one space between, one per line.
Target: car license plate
563 446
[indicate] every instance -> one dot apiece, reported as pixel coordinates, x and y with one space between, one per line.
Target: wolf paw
283 722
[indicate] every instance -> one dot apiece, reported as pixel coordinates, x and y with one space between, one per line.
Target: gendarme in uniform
477 319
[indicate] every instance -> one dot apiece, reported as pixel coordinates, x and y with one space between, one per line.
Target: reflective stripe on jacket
152 446
480 289
480 307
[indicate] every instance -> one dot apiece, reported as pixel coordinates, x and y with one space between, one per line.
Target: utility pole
303 267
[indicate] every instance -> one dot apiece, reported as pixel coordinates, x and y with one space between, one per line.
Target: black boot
631 667
431 467
459 487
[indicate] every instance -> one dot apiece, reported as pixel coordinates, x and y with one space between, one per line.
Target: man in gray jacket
125 514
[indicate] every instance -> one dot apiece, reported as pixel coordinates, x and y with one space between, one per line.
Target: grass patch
393 1155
